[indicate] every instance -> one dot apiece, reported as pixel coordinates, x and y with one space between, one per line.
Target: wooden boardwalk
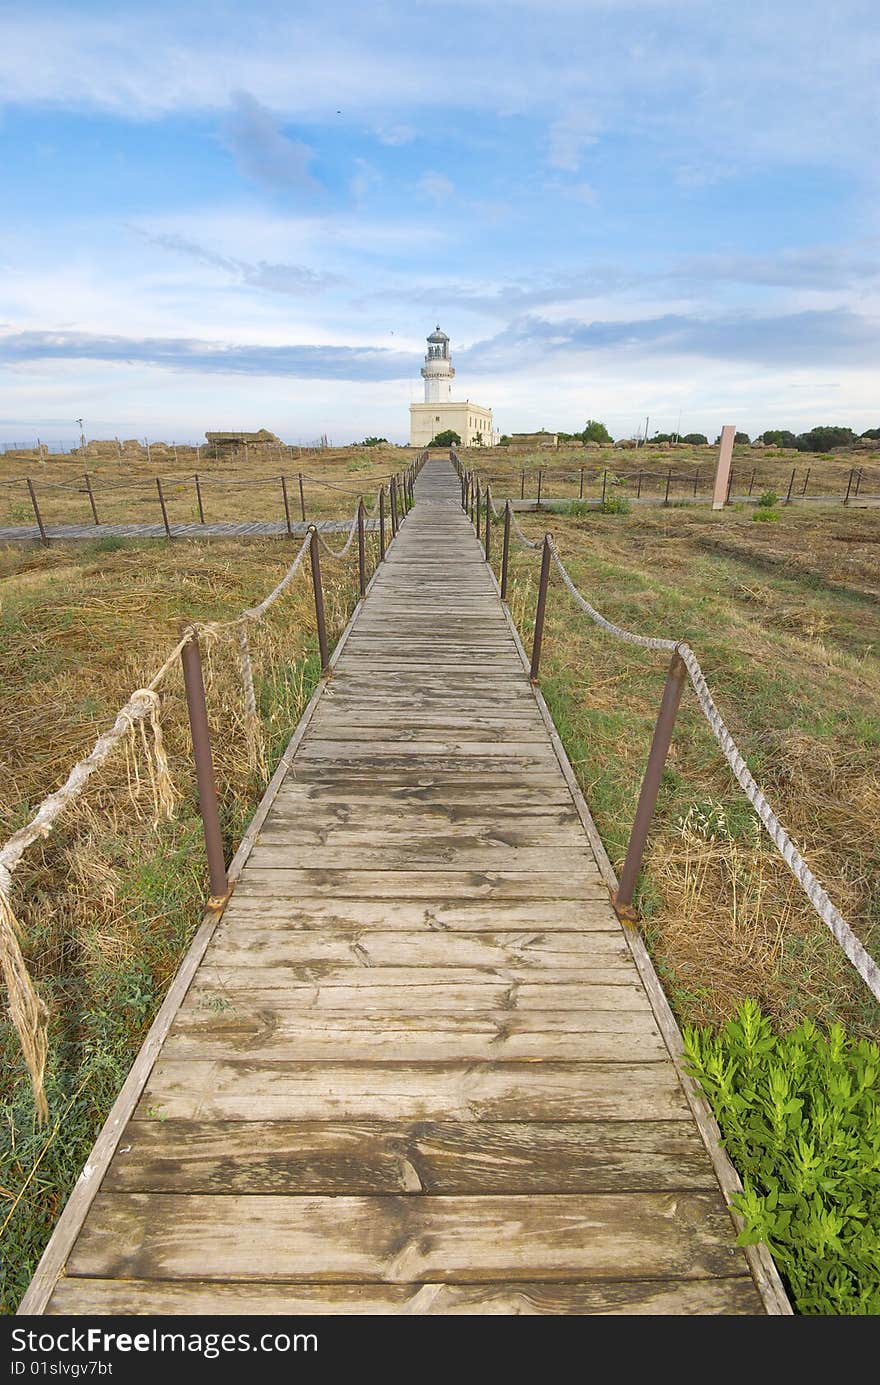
417 1069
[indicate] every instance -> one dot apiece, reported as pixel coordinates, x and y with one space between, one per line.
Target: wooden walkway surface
417 1070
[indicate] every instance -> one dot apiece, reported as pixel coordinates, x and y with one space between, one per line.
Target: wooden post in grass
722 468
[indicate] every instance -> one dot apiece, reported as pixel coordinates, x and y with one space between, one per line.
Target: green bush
614 505
578 508
448 438
765 516
768 499
800 1119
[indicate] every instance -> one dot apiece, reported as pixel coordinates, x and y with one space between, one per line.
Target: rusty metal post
44 537
540 484
199 499
362 551
505 551
581 491
286 507
752 481
858 481
393 490
479 506
162 503
790 484
639 489
90 493
806 480
463 490
668 483
194 683
522 484
696 480
488 525
604 484
302 498
729 485
539 610
848 485
381 524
675 681
319 596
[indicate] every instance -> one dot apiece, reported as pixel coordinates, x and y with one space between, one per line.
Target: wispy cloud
436 187
274 278
188 354
262 152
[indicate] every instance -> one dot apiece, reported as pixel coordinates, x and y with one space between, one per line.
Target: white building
439 412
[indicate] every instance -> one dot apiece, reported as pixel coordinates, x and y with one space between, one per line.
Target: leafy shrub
578 508
824 439
373 442
614 505
768 499
595 432
765 516
696 439
800 1118
448 438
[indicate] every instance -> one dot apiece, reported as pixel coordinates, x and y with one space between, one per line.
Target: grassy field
644 471
785 622
237 485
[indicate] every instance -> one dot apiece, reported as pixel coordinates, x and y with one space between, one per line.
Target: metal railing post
479 504
790 484
44 537
302 498
729 485
488 525
806 480
319 596
540 484
581 491
505 551
639 488
191 659
675 681
286 507
540 608
162 503
752 481
88 480
522 484
362 551
199 499
604 484
382 523
668 483
393 489
845 498
696 480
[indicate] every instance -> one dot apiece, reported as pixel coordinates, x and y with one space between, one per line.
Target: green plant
614 505
768 499
800 1118
595 432
448 438
765 516
578 508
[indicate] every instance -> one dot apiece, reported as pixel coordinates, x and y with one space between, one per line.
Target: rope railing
142 709
684 664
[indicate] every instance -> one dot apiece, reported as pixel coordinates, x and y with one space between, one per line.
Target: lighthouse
438 370
440 412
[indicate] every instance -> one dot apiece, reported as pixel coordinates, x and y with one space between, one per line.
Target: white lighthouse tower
438 370
440 412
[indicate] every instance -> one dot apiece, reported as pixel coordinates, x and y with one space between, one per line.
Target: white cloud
436 187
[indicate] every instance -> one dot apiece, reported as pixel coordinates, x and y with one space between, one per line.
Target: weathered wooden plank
291 1157
430 997
438 886
286 853
316 912
243 946
700 1297
407 1239
295 977
248 1089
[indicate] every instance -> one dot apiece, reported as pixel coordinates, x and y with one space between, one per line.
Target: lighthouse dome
437 335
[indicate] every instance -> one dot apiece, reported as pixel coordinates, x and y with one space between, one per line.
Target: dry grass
794 667
235 485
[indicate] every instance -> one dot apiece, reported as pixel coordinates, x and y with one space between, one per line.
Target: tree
447 438
743 437
372 442
872 433
824 439
696 439
595 432
779 437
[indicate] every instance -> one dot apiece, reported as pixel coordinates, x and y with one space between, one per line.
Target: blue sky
252 216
